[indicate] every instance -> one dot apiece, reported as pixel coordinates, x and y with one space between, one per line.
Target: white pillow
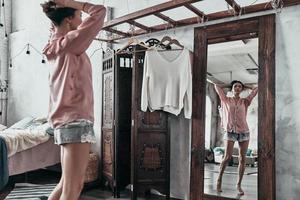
40 120
22 124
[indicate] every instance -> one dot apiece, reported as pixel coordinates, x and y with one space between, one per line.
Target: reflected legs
224 163
242 164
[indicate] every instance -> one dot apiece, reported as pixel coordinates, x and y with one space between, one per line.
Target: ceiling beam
236 7
253 60
141 26
245 41
246 36
117 32
195 10
166 18
184 22
106 40
149 11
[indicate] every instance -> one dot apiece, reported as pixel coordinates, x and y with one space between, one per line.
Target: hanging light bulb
27 51
3 3
10 63
43 60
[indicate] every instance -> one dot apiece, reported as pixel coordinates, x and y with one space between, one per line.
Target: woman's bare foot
219 185
239 189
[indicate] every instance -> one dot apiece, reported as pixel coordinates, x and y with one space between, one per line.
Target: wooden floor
36 177
91 192
97 192
249 183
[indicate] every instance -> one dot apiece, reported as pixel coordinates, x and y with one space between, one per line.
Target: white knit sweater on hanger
167 82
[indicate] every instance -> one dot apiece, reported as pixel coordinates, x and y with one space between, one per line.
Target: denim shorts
79 131
239 137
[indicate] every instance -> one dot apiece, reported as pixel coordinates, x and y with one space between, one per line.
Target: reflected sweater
234 113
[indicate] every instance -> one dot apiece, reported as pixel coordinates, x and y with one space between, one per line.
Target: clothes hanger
171 41
132 41
155 43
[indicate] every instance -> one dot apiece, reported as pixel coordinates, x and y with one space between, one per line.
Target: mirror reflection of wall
230 61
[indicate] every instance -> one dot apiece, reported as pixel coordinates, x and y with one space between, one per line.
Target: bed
29 146
40 156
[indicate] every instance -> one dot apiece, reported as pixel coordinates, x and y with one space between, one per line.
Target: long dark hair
236 81
57 14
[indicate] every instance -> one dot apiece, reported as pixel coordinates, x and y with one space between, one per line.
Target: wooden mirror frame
262 27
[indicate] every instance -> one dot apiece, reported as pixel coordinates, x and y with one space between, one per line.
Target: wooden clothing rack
146 46
201 17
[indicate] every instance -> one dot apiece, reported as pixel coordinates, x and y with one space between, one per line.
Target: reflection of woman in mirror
234 113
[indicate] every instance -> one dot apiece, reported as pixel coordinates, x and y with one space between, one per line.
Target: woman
234 113
71 92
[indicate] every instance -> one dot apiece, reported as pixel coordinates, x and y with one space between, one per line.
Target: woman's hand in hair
51 30
217 84
52 27
78 5
223 85
61 2
250 86
210 81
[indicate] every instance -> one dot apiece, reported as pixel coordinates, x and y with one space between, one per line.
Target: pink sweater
234 113
70 79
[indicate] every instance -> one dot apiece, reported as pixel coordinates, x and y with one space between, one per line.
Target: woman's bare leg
56 193
75 160
224 163
242 164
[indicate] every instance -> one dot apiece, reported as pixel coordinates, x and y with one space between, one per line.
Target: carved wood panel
150 142
155 119
108 142
108 100
107 153
151 157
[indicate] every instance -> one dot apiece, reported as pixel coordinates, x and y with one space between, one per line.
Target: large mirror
242 50
231 161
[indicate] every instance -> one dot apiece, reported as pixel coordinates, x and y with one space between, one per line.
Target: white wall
287 104
5 20
28 89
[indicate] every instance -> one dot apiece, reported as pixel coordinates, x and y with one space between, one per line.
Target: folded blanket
20 140
3 164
